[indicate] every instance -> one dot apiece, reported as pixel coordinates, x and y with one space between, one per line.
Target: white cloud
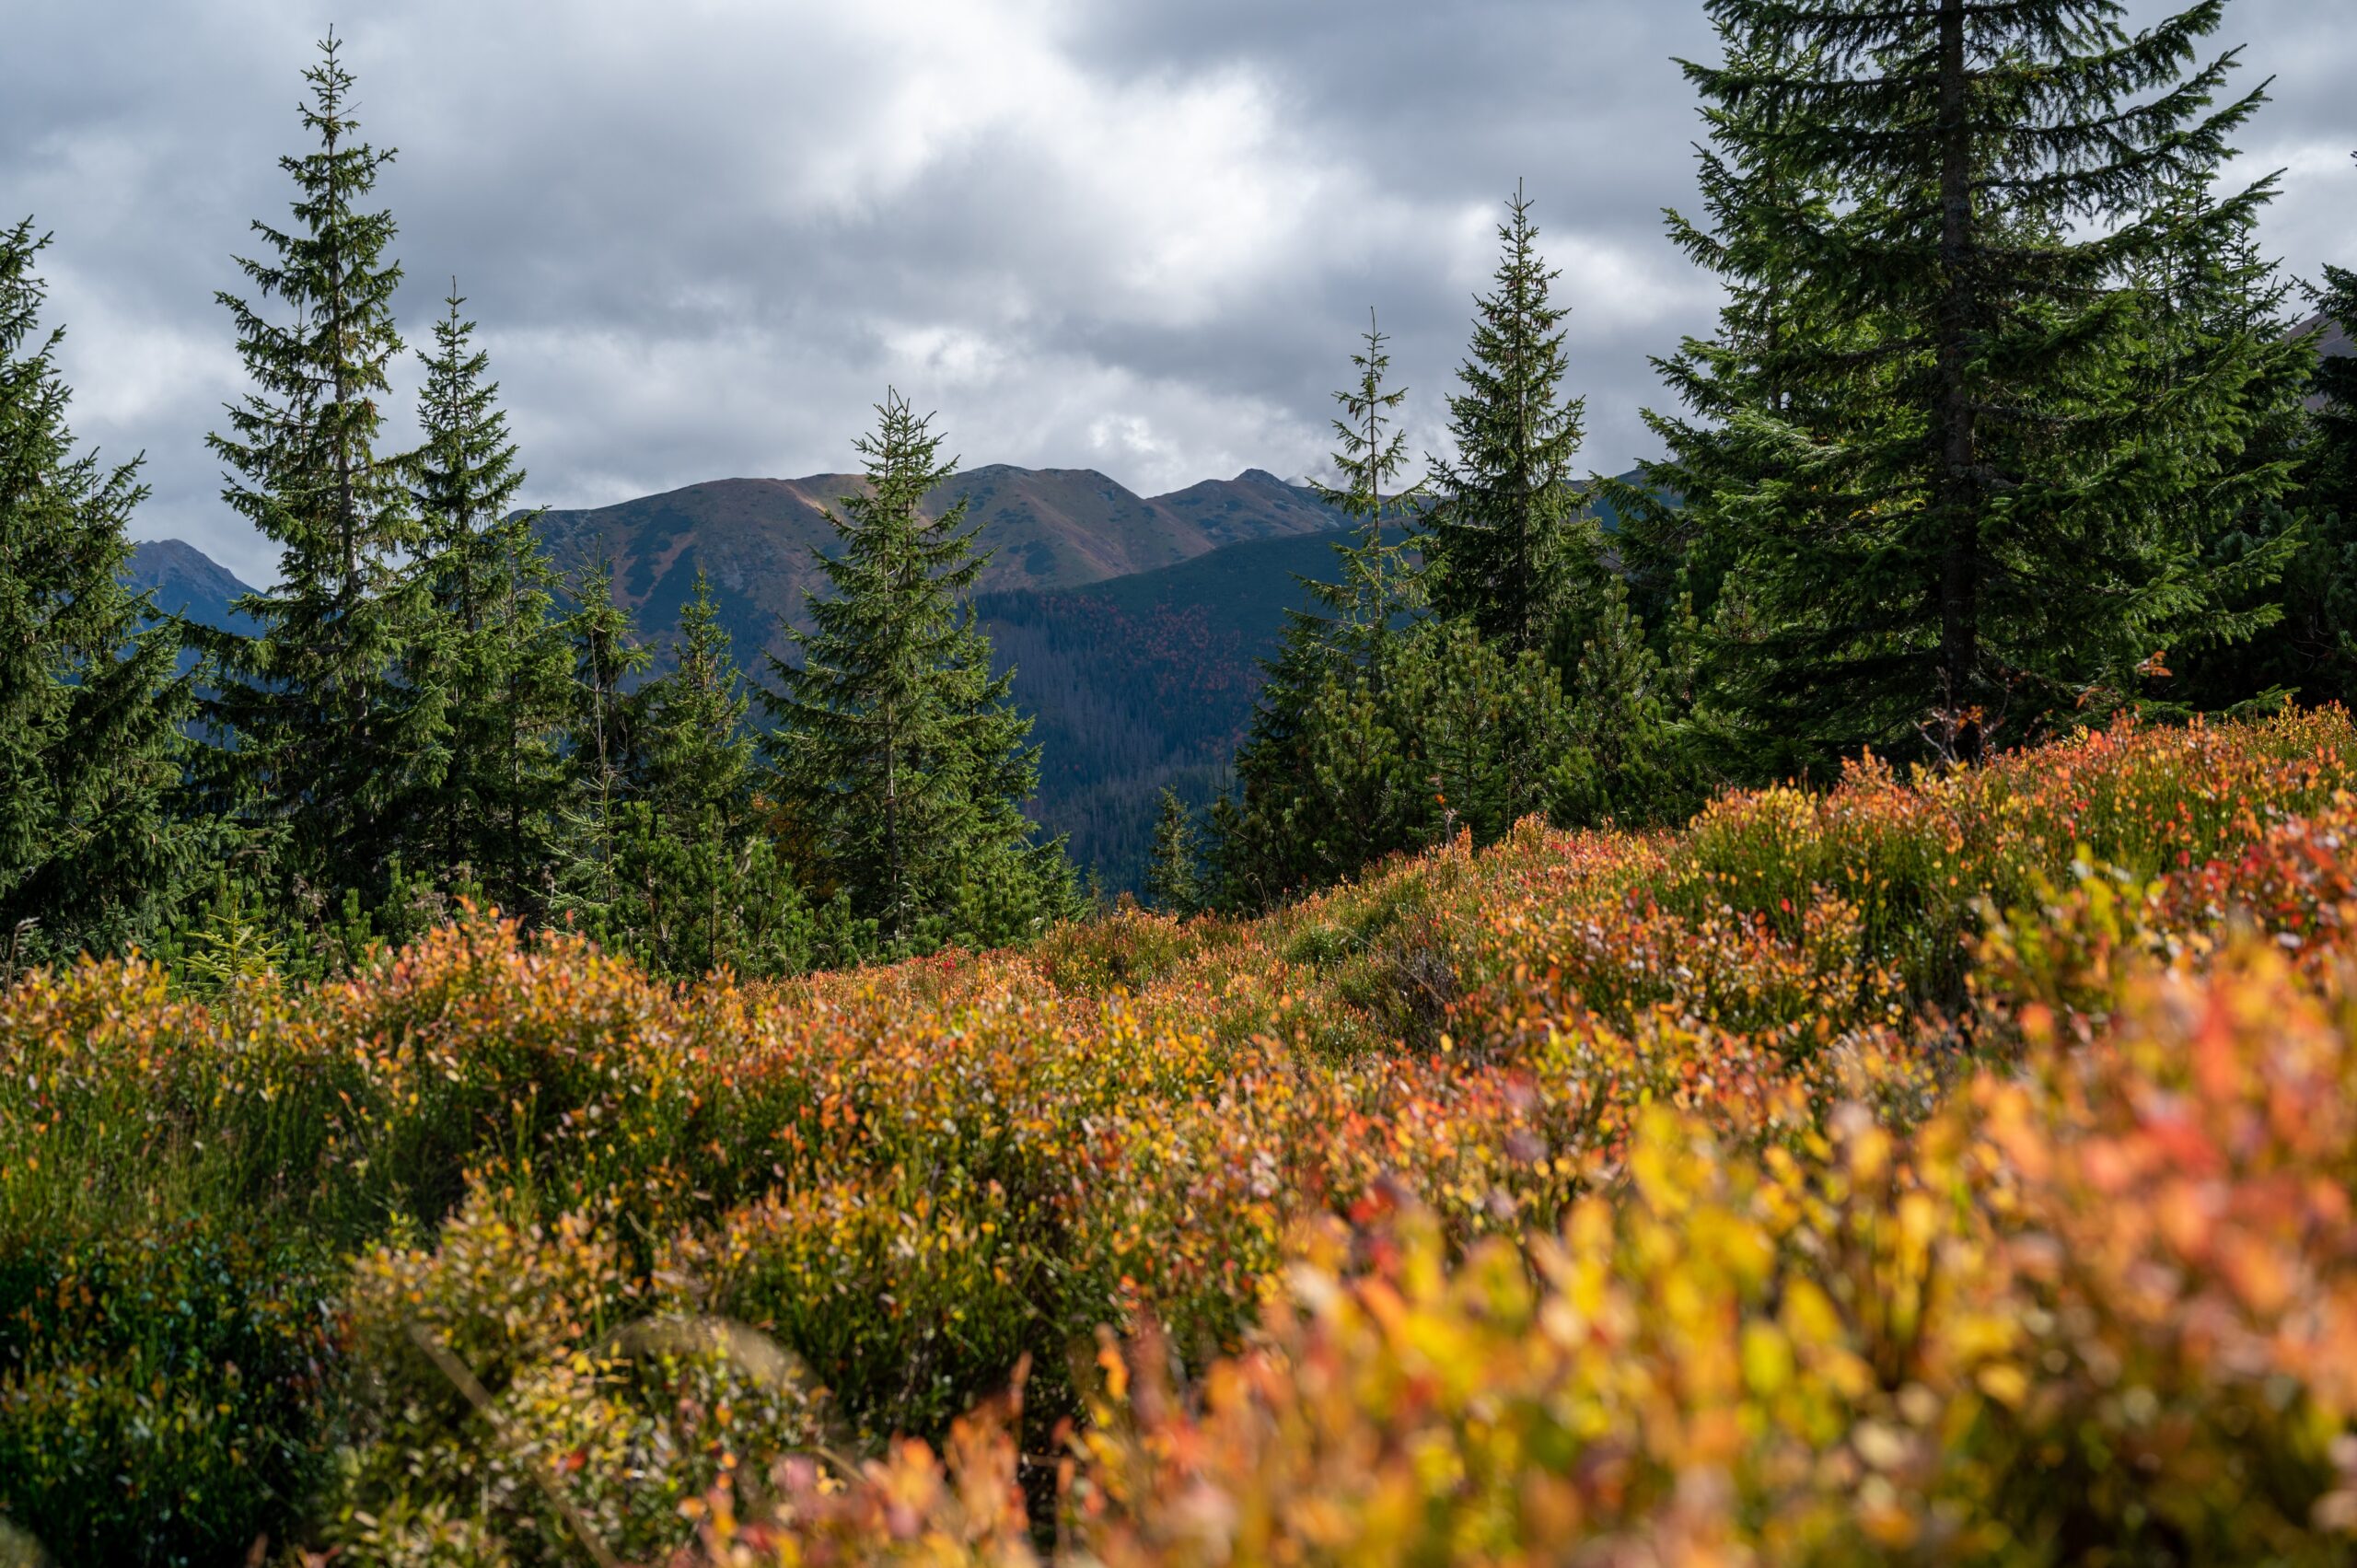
702 238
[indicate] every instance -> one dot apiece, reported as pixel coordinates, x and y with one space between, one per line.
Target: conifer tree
93 854
1506 544
1622 717
1174 875
328 741
2320 586
1959 498
706 883
895 742
1376 584
600 746
490 653
1326 650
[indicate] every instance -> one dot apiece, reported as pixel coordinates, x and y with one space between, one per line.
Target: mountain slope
1144 683
1046 527
187 583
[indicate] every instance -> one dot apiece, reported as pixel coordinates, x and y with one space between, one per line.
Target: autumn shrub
164 1387
2103 1310
1754 1112
518 1390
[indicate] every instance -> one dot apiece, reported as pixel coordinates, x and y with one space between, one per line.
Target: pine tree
1356 618
895 742
1506 544
490 653
1174 877
1959 495
92 854
330 744
601 747
1622 716
695 862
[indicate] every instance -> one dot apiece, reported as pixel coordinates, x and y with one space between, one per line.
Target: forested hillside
754 539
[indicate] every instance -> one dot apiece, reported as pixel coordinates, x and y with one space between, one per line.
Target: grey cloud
1136 234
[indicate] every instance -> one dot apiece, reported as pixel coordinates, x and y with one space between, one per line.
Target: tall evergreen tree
895 742
1375 582
329 740
1956 491
2321 584
490 655
92 854
601 748
1270 842
1506 544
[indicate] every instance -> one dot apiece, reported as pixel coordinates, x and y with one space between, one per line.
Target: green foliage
162 1388
519 1386
1325 649
1444 732
1507 545
1174 881
94 855
1965 484
897 749
332 750
599 746
489 659
701 884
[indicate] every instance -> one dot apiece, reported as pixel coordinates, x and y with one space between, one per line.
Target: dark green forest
2007 426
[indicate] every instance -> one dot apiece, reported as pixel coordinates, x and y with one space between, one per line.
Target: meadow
1956 1167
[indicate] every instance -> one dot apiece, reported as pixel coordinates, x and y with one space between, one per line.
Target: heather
1954 1152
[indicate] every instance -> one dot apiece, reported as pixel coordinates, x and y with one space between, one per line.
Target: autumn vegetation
1957 1167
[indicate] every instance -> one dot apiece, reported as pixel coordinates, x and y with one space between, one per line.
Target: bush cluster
1956 1163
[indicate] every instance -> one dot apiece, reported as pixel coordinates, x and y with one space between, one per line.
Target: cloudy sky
1130 234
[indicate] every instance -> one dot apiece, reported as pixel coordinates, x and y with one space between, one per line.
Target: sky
1137 235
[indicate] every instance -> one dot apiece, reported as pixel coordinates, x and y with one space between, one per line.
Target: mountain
1046 528
187 583
1145 682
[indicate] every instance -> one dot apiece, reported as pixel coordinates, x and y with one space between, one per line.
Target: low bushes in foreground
1740 1189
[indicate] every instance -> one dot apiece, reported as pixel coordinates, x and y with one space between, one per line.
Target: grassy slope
910 1179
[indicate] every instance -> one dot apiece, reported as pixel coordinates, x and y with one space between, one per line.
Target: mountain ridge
759 539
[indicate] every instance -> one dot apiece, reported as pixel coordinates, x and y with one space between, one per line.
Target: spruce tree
1959 495
895 742
2320 587
1376 584
1506 544
601 748
1272 843
1174 875
489 652
330 743
93 853
1622 716
704 881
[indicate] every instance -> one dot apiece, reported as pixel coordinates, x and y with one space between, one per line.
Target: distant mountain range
1046 529
188 583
